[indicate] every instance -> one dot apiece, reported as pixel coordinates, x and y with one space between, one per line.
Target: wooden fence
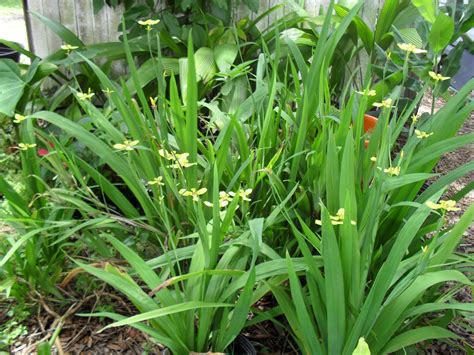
79 17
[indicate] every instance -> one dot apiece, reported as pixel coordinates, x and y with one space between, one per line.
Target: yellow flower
447 205
193 192
437 76
337 219
126 145
421 134
83 96
68 47
26 146
410 48
153 102
156 181
209 204
19 118
244 194
107 91
224 199
373 158
385 103
181 161
415 118
167 155
367 92
148 23
393 170
424 248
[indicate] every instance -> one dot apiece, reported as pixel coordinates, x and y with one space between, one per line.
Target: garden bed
227 194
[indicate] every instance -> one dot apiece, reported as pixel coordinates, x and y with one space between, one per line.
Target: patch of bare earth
82 335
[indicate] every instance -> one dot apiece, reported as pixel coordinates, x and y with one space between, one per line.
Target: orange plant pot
369 124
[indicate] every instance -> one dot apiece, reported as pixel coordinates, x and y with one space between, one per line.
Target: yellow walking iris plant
19 118
148 23
193 193
420 134
437 76
26 146
338 219
410 48
126 145
447 205
385 103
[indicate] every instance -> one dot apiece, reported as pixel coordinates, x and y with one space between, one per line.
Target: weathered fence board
79 17
76 15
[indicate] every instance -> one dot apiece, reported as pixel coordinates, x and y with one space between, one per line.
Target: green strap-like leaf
157 313
415 336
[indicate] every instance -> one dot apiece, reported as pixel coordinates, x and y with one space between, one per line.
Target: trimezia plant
215 198
383 247
189 305
189 188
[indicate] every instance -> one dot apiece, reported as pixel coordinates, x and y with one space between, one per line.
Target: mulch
83 335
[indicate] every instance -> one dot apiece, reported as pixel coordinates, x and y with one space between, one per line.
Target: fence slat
79 17
38 42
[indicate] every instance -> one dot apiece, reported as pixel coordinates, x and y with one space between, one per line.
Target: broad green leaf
148 71
387 15
411 35
426 8
441 32
205 65
11 86
224 56
364 32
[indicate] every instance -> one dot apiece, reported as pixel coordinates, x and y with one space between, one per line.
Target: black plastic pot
9 53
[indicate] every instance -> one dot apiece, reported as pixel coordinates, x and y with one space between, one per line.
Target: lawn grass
10 6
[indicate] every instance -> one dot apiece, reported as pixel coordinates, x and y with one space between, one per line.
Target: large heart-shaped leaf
11 86
441 32
225 55
426 8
